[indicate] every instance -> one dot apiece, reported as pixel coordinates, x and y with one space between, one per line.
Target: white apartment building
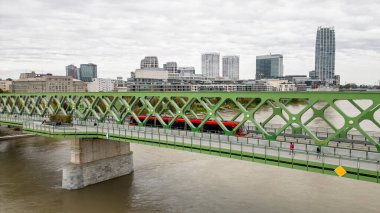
285 87
281 85
101 85
231 67
210 65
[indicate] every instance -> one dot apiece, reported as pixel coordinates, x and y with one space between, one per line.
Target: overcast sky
47 35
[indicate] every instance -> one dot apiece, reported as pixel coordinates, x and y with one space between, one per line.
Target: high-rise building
210 65
72 71
149 62
325 54
171 67
269 66
231 67
87 72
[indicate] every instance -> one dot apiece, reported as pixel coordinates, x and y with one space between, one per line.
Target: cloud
46 35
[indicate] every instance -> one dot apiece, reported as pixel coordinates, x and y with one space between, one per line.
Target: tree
61 118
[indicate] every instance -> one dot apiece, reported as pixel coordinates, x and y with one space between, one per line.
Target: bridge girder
257 108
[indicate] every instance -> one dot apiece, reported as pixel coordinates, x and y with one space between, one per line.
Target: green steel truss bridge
341 112
276 118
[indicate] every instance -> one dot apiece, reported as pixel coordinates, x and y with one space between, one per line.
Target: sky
47 35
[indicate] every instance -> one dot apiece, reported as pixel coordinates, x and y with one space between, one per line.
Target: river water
166 180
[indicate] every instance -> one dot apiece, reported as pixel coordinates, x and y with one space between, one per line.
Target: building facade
186 71
286 87
210 65
120 82
325 54
28 75
153 74
101 85
231 67
5 85
72 70
171 67
87 72
269 66
79 86
297 79
48 84
313 74
149 62
200 87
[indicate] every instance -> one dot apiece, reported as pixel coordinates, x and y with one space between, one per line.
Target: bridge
254 126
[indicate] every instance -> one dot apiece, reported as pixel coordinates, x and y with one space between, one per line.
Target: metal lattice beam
209 105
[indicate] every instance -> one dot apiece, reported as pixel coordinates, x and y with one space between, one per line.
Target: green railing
341 112
361 165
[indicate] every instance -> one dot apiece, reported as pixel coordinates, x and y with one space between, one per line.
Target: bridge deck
358 163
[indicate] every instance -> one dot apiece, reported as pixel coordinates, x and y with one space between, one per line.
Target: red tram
180 123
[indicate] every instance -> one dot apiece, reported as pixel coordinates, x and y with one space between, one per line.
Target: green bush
61 118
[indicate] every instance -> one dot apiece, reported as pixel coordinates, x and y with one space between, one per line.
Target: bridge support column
96 160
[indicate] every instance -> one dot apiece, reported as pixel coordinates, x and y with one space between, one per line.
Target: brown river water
167 180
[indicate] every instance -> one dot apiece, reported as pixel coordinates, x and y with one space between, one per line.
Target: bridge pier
96 160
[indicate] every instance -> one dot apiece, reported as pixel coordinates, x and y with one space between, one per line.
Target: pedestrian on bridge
318 152
291 148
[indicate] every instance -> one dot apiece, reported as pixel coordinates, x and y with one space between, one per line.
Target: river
166 180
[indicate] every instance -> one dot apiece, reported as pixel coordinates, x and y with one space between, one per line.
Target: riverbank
8 130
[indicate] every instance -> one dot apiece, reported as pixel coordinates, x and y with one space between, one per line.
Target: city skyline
48 35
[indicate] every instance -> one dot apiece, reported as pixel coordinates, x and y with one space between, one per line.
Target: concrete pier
96 160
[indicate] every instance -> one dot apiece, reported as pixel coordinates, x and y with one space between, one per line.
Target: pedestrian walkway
230 145
358 163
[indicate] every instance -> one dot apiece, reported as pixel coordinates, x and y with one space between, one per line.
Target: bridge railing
298 112
358 164
346 147
336 151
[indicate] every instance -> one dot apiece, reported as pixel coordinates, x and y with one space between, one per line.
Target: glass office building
72 71
269 66
87 72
